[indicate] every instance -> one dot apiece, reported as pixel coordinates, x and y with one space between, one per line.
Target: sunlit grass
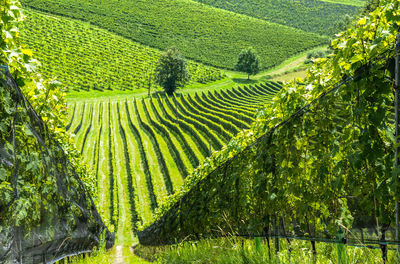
235 250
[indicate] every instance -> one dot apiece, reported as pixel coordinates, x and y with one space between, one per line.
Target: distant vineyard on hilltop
308 15
85 57
202 33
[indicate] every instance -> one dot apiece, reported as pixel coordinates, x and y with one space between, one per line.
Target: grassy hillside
142 150
85 57
201 32
308 15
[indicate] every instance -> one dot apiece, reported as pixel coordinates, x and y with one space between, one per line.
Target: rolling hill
202 33
308 15
85 57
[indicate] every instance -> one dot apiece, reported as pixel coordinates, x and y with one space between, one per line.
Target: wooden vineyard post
396 158
276 234
267 233
287 239
383 245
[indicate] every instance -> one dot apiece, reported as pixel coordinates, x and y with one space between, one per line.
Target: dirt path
119 258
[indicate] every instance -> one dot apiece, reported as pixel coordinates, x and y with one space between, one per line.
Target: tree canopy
171 71
248 62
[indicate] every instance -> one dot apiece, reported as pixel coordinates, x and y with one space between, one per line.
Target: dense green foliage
328 169
84 57
171 71
29 191
248 62
308 15
200 32
142 150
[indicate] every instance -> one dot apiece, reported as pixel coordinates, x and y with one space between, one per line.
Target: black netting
240 198
74 226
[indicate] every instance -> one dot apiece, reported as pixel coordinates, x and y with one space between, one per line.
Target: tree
248 62
171 71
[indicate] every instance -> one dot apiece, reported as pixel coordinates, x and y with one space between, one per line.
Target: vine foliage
46 209
318 159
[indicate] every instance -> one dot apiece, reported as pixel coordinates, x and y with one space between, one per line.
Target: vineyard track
78 127
126 210
103 174
146 198
159 187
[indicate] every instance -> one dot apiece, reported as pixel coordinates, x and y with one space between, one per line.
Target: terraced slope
200 32
142 150
308 15
85 57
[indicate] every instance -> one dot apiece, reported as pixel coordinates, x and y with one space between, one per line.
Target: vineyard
73 51
142 150
200 32
305 171
305 15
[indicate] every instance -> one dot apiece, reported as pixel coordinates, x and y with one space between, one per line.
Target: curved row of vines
142 150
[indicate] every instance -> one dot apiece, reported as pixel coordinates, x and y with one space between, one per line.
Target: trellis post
396 150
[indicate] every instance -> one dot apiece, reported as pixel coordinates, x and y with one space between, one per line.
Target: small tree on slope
248 62
171 71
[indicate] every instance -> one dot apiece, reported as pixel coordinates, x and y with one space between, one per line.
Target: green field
141 150
202 33
305 15
84 57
